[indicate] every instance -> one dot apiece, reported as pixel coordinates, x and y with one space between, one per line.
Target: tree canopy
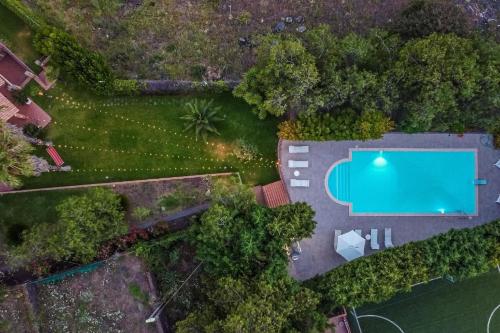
282 78
247 287
440 76
236 237
85 221
15 157
433 82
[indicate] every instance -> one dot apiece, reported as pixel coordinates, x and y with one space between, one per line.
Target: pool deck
318 255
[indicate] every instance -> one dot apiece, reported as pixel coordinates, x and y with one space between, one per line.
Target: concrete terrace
318 255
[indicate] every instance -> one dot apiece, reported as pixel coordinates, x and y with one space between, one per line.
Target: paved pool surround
318 255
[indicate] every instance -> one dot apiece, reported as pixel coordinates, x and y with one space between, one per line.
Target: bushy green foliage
87 67
237 237
126 87
424 17
282 79
141 213
15 157
242 248
344 125
461 254
201 117
32 130
85 221
136 292
238 305
441 80
20 97
245 151
494 129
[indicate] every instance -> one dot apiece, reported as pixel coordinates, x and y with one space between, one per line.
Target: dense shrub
32 130
244 150
424 17
85 222
15 156
344 125
461 254
282 79
20 97
87 67
126 87
494 129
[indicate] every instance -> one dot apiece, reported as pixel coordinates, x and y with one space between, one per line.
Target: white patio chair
374 239
336 238
298 149
388 238
298 164
299 182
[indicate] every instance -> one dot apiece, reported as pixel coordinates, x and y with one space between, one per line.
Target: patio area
318 254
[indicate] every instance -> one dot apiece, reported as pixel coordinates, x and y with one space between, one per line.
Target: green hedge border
461 254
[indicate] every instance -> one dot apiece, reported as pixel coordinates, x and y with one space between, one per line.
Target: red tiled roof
7 108
275 194
13 71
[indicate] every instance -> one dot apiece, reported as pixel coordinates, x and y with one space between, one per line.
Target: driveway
318 255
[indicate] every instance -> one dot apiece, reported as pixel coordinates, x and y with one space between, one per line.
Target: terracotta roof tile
275 194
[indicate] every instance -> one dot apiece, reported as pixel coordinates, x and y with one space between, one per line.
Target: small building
272 195
15 75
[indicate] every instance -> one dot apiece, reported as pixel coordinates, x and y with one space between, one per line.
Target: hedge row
460 253
24 13
342 125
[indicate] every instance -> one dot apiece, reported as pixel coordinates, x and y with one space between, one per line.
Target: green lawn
438 307
17 36
113 139
20 211
124 138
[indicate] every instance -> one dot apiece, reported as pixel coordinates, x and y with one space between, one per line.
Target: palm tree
201 116
15 157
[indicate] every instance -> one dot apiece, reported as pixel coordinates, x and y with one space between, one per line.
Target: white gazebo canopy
351 245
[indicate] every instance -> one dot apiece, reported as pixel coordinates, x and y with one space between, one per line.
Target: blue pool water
406 182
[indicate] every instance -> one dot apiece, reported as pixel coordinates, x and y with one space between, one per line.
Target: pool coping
349 159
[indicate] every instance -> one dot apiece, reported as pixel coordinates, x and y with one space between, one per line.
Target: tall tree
85 221
439 75
247 306
15 157
281 80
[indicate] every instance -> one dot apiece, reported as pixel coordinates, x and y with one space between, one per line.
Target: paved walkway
175 216
318 255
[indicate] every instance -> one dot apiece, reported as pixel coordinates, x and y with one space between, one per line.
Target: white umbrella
351 245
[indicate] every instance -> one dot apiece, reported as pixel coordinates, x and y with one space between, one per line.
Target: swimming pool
377 182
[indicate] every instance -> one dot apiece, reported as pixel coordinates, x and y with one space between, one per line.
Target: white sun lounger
298 164
336 238
388 238
299 182
497 164
298 149
374 239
